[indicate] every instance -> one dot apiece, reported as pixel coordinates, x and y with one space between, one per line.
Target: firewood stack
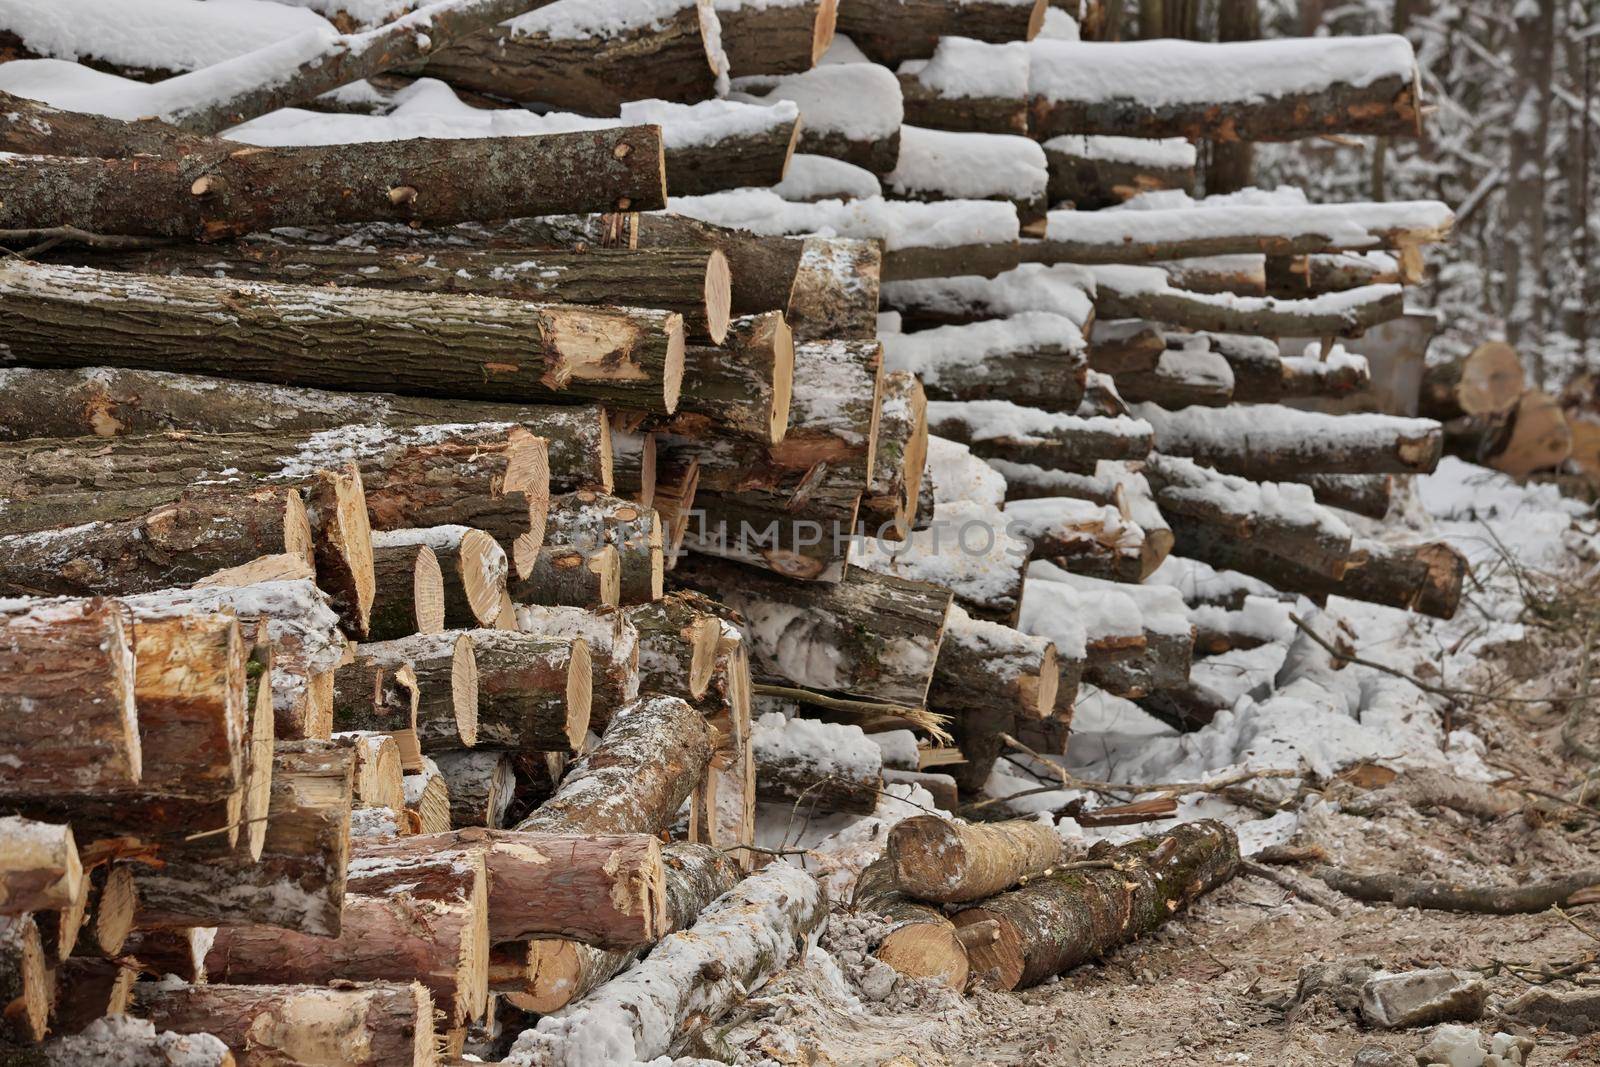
426 553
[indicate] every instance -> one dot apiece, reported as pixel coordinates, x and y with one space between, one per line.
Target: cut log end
26 978
1039 694
555 968
1036 18
427 591
719 296
672 373
580 693
822 35
297 537
464 689
926 950
782 382
1001 958
481 576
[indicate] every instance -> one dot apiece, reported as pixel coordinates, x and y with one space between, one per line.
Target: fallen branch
1407 892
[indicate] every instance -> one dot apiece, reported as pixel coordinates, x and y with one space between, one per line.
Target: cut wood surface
39 866
408 590
678 638
24 980
742 388
985 665
534 692
445 670
589 520
573 576
889 507
1059 921
1489 380
614 650
77 316
482 784
472 571
953 862
921 942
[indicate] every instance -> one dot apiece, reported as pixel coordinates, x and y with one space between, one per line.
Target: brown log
1099 172
613 644
588 67
1130 293
1537 437
834 290
378 774
101 920
372 696
830 125
428 799
472 571
843 773
952 862
984 665
763 268
68 724
1296 276
298 882
900 458
742 388
534 692
889 31
678 639
1184 376
1489 380
776 38
1114 485
1243 274
1093 539
695 283
408 590
1000 429
871 636
90 989
571 576
356 1024
751 157
216 189
26 989
1261 375
588 520
936 96
180 952
920 941
39 867
1254 442
69 317
446 672
1059 921
1125 346
1035 359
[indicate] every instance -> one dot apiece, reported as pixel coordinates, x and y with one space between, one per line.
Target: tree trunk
742 159
534 692
921 942
26 988
816 766
779 38
1232 163
653 753
1524 300
1363 494
1090 173
1269 443
890 31
1488 381
833 290
1086 538
1000 429
1036 359
949 862
588 520
1131 293
613 644
446 672
39 867
297 884
90 989
220 190
870 636
900 458
74 317
67 682
592 66
359 1025
691 978
678 638
693 282
573 576
741 389
984 665
408 590
472 569
1062 920
428 799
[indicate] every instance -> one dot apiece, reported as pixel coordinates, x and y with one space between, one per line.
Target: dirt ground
1216 985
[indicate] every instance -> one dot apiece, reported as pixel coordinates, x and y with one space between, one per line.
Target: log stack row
420 581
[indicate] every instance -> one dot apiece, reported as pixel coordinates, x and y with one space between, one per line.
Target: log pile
396 555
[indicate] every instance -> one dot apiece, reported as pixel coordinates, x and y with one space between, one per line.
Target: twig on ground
1450 896
1174 789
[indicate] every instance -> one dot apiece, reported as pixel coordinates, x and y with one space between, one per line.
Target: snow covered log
1266 442
870 636
949 861
1487 381
1203 229
1059 921
1217 683
360 1024
1133 292
735 146
1087 538
534 692
890 31
561 972
68 723
1363 494
652 754
741 388
124 1040
967 84
219 190
614 650
1000 429
113 401
900 457
921 942
1277 90
1090 173
938 165
969 549
445 669
678 637
408 590
472 571
775 36
590 520
1161 655
850 111
987 666
1037 359
1244 274
1277 517
298 881
689 980
835 290
1184 376
1262 375
76 317
589 58
39 866
695 283
1125 346
1061 288
816 766
1113 484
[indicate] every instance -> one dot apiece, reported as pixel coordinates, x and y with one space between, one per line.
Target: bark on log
75 317
68 723
26 989
763 268
613 644
776 38
482 784
677 485
446 672
359 1024
571 576
1000 429
112 401
298 883
39 866
1090 173
691 978
816 766
921 942
742 388
534 692
378 775
1407 892
890 31
984 665
1243 274
881 634
834 289
407 590
472 571
634 466
937 95
1262 376
1272 443
588 520
754 157
1068 918
176 952
591 67
1131 293
678 639
1487 381
952 862
1125 346
1036 359
1385 104
90 989
1184 376
1097 540
562 971
1296 276
651 756
1113 484
889 508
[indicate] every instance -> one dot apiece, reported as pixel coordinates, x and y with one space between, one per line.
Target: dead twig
1406 892
930 721
1168 789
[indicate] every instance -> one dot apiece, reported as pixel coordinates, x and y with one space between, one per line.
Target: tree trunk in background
1232 164
1524 299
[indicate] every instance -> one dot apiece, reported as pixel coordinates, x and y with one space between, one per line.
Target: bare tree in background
1533 46
1232 163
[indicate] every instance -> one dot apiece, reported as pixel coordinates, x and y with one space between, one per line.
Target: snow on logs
1085 537
969 549
943 165
1059 288
1253 91
1268 442
968 85
1162 651
76 317
1092 172
816 765
984 665
890 31
1134 292
1059 921
1037 359
1000 429
850 111
775 36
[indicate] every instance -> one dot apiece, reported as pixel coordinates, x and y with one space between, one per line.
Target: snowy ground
1214 987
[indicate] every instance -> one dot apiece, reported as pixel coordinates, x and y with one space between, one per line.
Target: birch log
951 862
